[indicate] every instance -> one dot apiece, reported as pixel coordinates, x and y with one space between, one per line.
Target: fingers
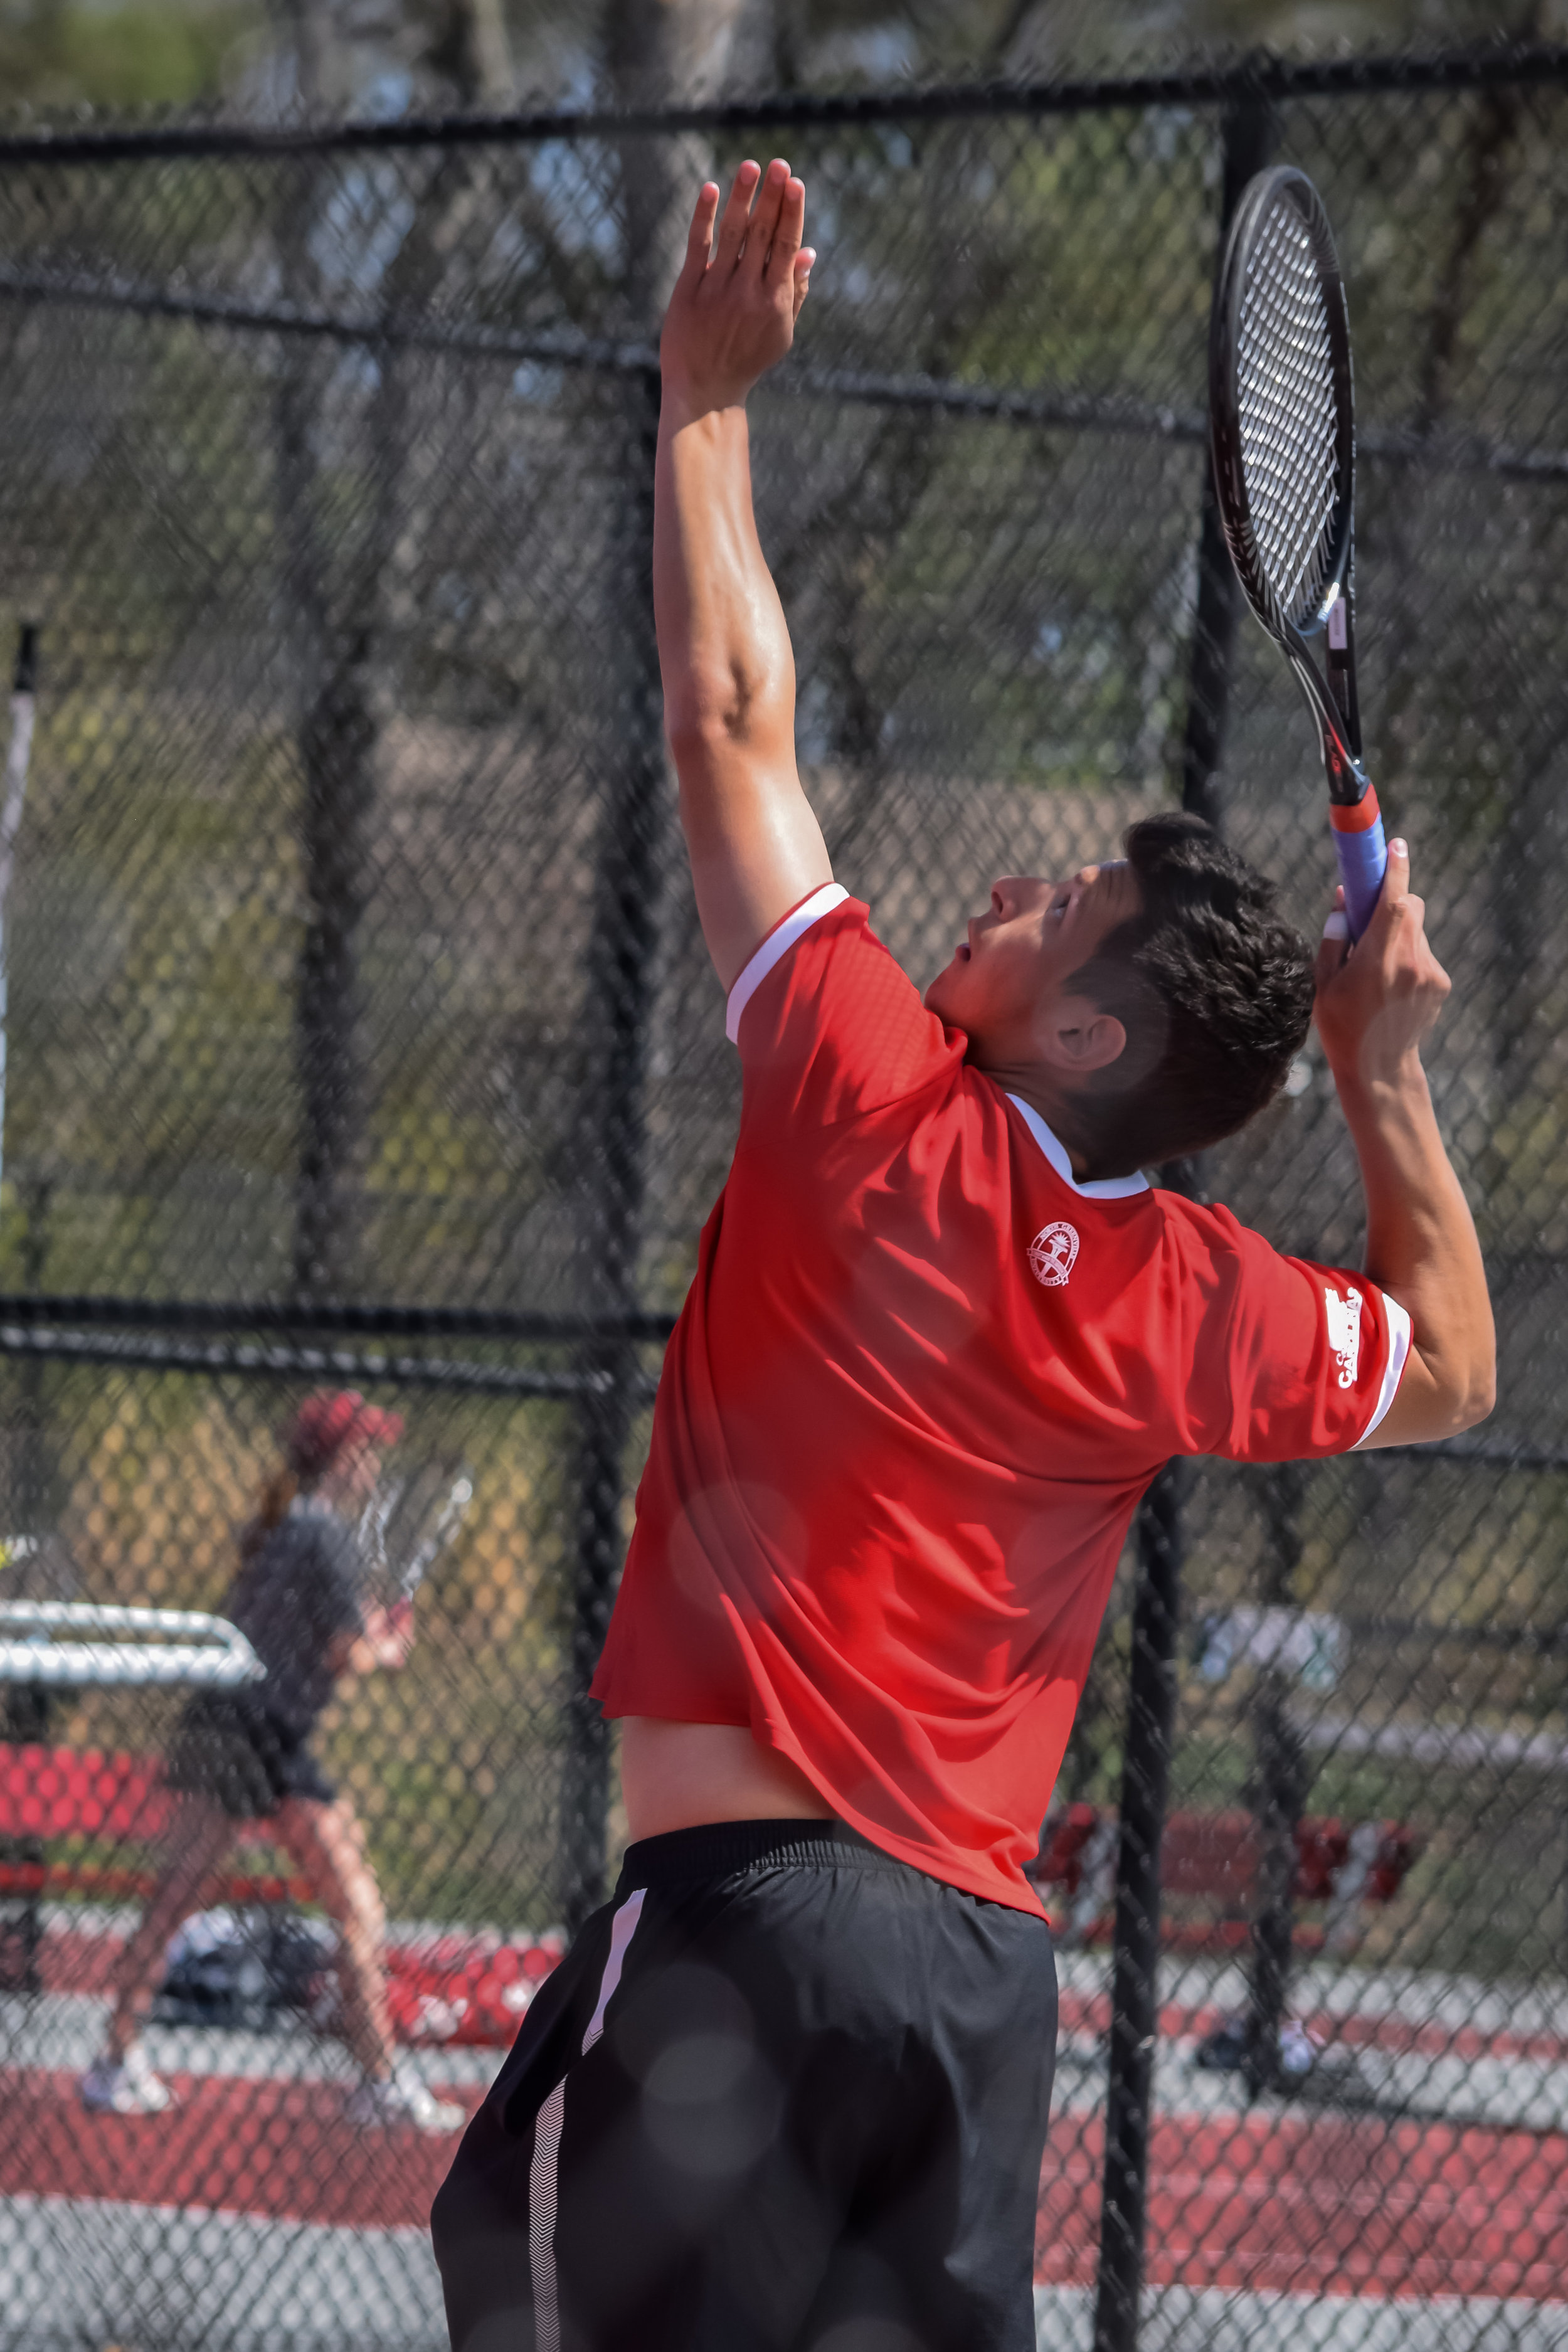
790 225
1397 878
700 236
766 214
1377 1003
768 230
1334 946
1396 947
737 215
742 284
803 263
1396 896
1403 914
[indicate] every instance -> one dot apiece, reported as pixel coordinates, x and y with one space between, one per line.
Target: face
353 1474
1007 985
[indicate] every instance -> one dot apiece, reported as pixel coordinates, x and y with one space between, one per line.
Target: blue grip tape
1364 859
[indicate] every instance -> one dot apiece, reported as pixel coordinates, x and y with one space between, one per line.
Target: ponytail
271 1509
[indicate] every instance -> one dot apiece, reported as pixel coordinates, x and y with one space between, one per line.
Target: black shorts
783 2092
244 1760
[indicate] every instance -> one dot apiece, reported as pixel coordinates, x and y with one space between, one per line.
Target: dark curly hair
1214 990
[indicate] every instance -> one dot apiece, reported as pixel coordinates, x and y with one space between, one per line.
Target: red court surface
272 2150
1340 2206
1283 2201
1325 2205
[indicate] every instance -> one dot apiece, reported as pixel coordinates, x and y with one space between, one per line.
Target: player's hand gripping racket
1281 417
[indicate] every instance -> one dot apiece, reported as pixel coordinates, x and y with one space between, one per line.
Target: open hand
1375 1003
731 316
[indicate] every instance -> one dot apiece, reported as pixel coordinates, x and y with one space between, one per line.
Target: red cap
325 1423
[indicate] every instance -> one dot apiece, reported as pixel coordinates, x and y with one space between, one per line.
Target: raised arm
724 653
1374 1006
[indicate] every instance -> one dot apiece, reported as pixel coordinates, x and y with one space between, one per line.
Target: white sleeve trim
778 944
1398 1348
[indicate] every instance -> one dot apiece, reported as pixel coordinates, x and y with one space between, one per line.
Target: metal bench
49 1793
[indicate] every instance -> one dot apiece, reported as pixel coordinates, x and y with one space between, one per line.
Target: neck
1062 1114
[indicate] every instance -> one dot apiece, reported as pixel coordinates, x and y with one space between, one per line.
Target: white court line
1499 2095
65 2031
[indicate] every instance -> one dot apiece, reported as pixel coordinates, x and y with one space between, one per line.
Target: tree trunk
468 51
335 736
336 591
662 53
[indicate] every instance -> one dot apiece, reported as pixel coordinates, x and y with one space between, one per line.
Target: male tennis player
789 2088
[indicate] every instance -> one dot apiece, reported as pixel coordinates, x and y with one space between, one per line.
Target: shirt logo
1052 1254
1344 1332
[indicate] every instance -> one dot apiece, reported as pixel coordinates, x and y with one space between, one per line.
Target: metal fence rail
359 1032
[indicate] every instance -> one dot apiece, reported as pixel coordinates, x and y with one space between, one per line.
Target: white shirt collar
1104 1188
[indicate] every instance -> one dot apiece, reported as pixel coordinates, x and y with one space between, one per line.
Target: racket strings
1287 411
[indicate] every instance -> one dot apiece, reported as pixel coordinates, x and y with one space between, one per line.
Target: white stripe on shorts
543 2172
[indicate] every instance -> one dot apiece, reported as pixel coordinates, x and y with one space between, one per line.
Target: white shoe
125 2086
402 2098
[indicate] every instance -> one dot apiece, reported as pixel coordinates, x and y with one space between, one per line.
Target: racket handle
1363 856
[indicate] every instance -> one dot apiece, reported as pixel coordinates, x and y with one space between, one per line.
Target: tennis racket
1282 425
373 1524
23 688
410 1501
448 1519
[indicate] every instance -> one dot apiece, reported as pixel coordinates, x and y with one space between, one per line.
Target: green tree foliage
56 55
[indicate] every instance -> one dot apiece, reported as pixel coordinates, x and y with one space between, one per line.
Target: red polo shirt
919 1382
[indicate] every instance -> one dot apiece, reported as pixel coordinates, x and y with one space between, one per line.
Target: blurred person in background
244 1756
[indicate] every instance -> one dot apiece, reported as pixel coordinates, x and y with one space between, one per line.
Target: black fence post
1247 142
331 654
1134 1986
626 938
1281 1777
27 1709
1248 135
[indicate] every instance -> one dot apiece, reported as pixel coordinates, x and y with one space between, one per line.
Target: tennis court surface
1417 2196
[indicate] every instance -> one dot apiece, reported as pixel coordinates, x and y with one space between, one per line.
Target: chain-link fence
360 1034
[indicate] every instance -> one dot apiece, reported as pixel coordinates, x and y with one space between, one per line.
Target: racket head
1282 407
437 1500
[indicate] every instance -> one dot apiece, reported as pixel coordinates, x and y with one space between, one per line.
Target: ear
1079 1038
